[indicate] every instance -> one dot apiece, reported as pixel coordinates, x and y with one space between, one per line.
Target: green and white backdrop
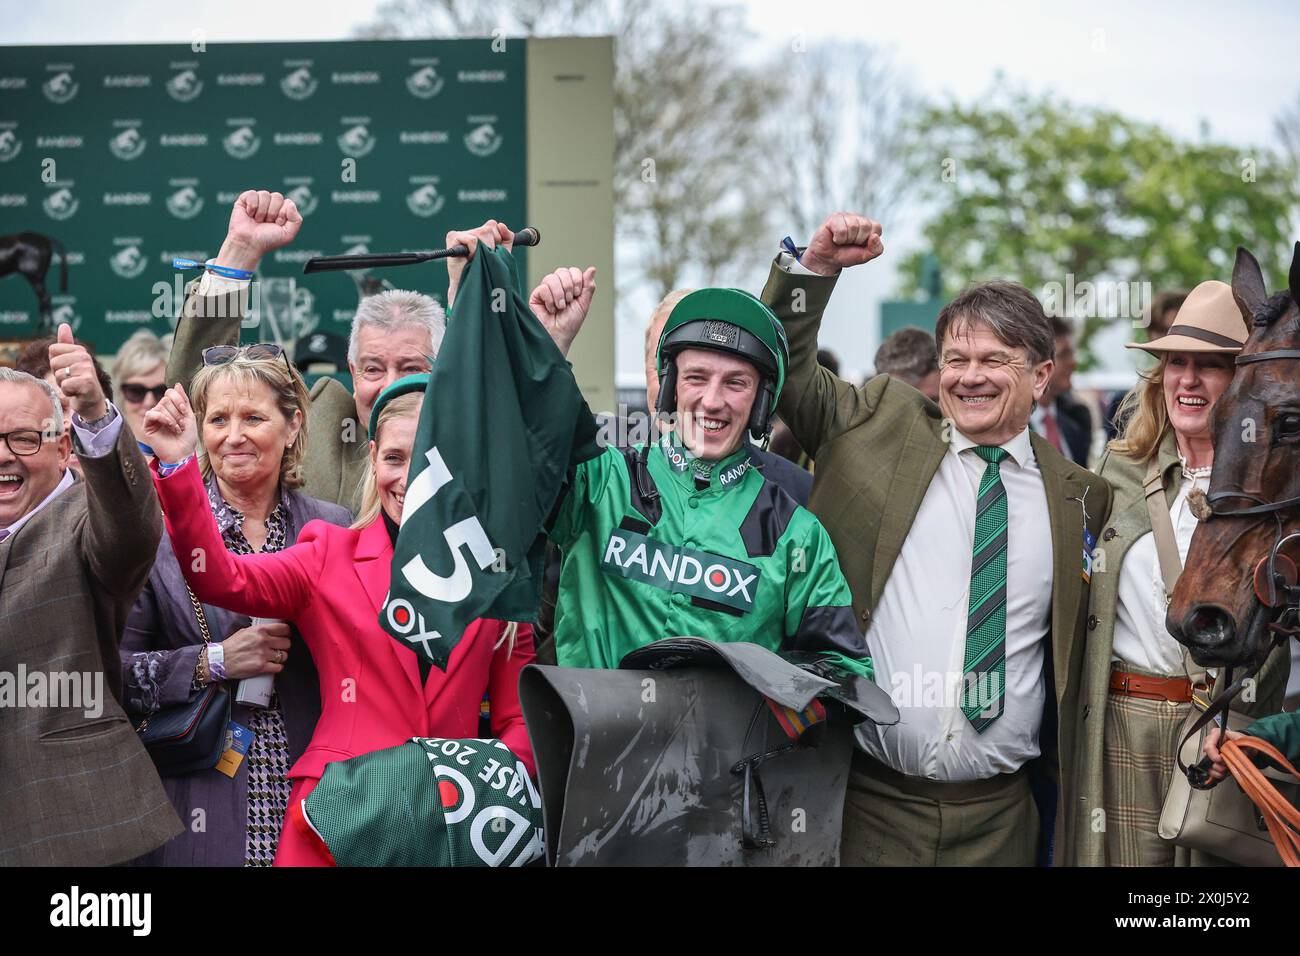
132 155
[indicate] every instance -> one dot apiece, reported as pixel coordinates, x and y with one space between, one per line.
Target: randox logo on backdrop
61 204
60 88
425 201
242 143
299 84
357 141
185 203
10 145
128 144
483 140
701 574
304 199
424 83
128 262
184 86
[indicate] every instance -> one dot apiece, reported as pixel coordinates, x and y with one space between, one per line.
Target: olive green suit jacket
1082 841
878 447
336 457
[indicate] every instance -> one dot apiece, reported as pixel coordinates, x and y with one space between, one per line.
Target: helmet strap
667 402
760 416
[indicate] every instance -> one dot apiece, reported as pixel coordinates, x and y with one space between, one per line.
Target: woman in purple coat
251 407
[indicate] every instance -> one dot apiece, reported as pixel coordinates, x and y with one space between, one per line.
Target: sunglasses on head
223 354
135 393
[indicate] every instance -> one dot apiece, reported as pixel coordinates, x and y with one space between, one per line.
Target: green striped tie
984 681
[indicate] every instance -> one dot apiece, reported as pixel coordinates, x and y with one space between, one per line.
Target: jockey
685 536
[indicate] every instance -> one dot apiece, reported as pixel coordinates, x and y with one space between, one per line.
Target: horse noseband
1272 589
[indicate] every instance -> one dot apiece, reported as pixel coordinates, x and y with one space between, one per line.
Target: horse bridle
1275 586
1279 587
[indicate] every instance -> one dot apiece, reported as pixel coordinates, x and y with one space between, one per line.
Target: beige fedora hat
1209 321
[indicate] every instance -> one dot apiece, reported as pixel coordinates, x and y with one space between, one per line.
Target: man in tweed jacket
77 786
906 487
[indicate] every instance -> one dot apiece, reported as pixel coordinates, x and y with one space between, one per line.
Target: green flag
502 424
428 802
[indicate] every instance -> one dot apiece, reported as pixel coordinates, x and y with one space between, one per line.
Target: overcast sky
1181 64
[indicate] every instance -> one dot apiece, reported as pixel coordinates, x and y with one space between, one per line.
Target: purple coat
213 807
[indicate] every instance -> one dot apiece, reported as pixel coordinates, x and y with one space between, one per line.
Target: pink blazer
331 584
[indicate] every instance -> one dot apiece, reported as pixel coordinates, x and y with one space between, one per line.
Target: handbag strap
1281 818
199 616
1171 565
1162 528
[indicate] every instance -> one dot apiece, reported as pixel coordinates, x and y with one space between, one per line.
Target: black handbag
189 737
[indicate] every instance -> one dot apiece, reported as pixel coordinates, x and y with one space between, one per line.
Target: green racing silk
720 553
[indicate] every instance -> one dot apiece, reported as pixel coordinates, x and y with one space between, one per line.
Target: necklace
1191 474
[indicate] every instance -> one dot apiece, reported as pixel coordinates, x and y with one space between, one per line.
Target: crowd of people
226 536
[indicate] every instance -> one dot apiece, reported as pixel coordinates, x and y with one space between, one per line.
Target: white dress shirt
213 284
95 443
917 637
1140 635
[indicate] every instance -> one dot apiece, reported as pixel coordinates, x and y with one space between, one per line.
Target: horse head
299 79
1239 571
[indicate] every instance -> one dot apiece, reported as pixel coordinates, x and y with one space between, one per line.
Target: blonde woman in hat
1137 684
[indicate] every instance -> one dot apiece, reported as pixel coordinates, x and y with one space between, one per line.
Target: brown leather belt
1177 690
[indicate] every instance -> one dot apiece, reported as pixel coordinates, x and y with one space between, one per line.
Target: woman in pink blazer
330 585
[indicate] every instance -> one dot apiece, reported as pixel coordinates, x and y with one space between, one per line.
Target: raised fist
74 371
259 222
845 239
491 234
561 302
170 428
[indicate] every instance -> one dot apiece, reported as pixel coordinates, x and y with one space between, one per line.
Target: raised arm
561 300
491 234
122 527
276 585
815 403
216 306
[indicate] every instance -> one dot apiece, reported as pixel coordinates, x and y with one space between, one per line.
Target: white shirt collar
1018 448
64 484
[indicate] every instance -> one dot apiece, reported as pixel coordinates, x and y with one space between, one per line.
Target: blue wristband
230 272
788 245
165 469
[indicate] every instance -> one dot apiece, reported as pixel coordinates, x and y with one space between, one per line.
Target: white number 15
455 586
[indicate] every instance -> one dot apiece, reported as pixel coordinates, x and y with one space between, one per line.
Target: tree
692 188
1287 127
1028 188
693 184
844 133
468 18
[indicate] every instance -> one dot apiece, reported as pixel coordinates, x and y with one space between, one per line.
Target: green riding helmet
730 321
